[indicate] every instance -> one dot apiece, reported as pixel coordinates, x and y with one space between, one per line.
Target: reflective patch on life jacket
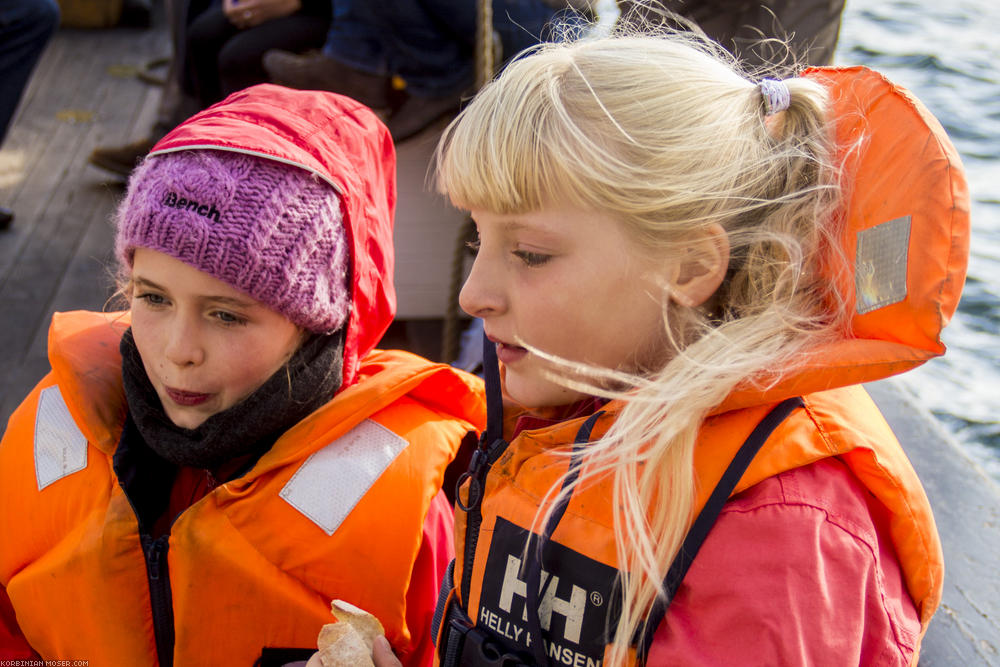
60 446
332 481
880 269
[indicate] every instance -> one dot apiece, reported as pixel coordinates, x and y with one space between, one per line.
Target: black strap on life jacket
491 446
706 519
441 607
533 578
494 392
460 642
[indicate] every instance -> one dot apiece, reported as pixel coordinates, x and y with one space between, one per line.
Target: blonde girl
662 275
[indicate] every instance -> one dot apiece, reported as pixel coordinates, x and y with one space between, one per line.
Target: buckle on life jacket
468 646
462 644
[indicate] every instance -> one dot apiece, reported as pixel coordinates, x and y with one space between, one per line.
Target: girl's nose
482 293
184 346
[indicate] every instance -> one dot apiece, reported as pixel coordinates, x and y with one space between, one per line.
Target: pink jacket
739 605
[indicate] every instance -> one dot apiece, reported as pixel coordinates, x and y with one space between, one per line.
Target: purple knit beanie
271 230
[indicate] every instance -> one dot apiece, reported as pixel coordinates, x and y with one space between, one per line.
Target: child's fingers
383 655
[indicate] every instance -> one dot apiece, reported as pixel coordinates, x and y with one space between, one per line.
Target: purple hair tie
776 96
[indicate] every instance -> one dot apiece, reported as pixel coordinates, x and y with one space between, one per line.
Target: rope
485 67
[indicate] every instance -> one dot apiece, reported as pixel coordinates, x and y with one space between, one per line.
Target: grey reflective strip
880 268
60 446
332 481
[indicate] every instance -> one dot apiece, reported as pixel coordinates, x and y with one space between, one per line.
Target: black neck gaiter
309 379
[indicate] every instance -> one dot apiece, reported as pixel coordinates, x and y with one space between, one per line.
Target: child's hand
250 13
382 654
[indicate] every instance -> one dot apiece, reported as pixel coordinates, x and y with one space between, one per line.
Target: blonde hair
666 135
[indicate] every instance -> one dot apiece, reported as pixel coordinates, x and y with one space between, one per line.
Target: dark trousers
221 58
25 28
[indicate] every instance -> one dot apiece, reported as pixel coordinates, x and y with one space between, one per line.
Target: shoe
121 160
315 71
417 113
6 217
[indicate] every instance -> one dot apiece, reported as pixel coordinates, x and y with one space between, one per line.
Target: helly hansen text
204 210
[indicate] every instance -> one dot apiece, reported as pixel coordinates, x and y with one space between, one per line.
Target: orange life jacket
906 238
841 422
334 510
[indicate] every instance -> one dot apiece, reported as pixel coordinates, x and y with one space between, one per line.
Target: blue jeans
429 43
25 28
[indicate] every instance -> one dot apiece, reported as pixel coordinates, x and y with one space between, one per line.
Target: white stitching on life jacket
60 446
332 481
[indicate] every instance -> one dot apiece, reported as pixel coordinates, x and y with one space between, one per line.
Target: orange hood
905 237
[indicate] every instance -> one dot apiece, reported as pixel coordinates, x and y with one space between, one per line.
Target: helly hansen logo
570 609
173 200
577 599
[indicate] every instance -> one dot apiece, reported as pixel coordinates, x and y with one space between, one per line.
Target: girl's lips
186 398
508 354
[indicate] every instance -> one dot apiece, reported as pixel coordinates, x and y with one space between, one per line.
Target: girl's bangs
502 153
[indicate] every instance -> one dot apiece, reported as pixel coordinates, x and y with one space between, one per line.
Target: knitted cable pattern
270 230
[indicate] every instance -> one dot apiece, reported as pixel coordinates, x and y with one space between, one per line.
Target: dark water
947 53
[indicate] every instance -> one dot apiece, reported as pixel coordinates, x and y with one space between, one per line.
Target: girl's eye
228 318
532 259
152 299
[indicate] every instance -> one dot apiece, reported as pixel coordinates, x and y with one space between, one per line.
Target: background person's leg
25 28
240 61
175 104
206 36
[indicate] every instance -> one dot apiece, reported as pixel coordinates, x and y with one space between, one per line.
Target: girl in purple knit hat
198 478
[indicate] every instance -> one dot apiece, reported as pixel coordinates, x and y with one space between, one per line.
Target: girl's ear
701 270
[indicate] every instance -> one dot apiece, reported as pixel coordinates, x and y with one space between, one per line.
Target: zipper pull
155 555
478 460
474 474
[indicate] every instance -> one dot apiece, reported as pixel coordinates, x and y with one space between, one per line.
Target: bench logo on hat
173 200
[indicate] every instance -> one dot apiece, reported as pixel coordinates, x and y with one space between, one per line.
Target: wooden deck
56 256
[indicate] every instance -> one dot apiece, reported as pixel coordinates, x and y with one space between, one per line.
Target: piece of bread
348 642
340 645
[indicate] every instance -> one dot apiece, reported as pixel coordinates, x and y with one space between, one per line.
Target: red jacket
837 563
